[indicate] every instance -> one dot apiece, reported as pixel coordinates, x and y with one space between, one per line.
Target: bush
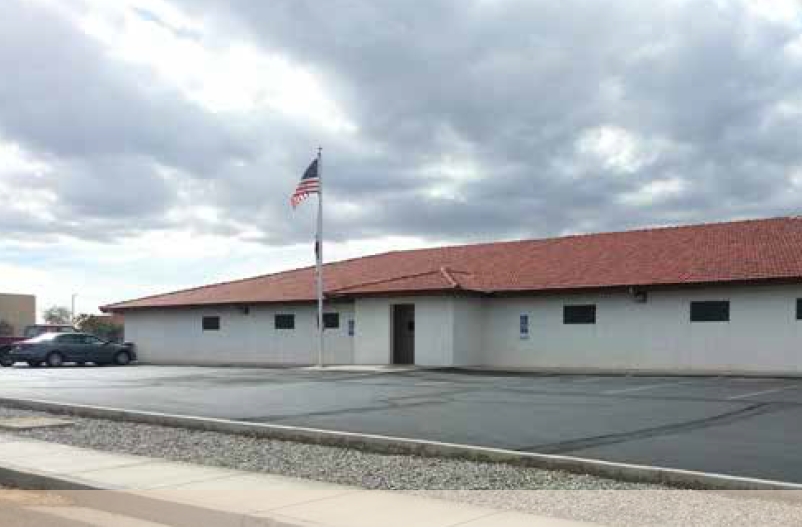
6 329
101 327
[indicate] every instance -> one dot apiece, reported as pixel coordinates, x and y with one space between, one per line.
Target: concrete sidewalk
262 499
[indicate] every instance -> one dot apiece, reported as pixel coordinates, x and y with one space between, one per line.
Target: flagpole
319 258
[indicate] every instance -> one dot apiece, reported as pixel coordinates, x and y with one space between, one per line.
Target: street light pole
72 310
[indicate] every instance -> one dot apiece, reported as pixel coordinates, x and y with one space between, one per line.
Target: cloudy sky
149 145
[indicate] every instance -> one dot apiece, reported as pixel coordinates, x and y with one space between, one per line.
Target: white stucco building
716 298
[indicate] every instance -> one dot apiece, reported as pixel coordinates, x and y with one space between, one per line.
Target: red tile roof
743 251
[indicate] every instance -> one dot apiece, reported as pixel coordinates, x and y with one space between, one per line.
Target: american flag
309 184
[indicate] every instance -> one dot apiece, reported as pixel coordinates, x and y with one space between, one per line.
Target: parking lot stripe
642 388
755 394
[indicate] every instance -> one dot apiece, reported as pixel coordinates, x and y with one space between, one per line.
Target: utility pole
72 309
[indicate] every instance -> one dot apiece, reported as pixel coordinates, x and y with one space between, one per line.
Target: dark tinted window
585 314
43 338
211 323
331 320
711 311
799 309
70 339
285 321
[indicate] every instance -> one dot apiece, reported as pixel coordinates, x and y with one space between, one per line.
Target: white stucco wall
761 336
469 330
433 330
175 336
372 338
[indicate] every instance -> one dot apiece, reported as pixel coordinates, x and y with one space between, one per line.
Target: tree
6 329
100 326
57 315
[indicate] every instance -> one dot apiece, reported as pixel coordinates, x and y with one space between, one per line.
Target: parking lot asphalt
738 426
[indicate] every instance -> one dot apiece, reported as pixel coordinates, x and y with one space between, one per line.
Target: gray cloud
508 88
66 97
520 81
104 127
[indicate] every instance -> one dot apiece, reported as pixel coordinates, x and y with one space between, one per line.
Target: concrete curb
25 479
605 372
398 445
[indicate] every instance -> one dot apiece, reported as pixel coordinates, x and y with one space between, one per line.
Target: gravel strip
323 463
548 493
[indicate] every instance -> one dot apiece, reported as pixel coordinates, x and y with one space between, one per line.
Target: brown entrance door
404 334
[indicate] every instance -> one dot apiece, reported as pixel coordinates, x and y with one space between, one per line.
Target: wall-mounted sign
524 329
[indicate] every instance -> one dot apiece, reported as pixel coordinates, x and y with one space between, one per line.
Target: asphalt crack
564 447
382 404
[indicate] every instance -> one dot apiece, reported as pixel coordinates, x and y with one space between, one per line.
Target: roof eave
462 291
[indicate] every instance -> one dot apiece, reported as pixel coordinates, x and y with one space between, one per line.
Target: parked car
40 329
32 331
55 349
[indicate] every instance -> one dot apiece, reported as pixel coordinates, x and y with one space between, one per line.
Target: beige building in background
18 310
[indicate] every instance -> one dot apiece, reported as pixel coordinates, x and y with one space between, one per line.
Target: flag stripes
309 184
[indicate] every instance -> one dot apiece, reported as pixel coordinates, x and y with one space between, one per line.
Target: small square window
710 311
285 321
211 323
331 320
583 314
799 308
